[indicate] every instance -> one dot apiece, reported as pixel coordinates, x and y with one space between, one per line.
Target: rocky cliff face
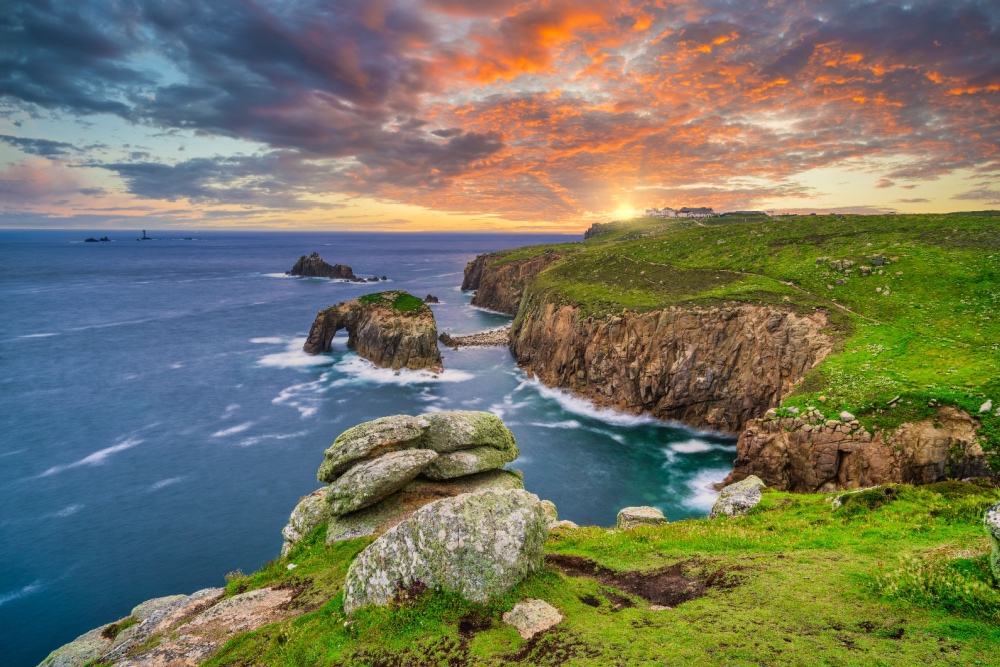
812 454
717 367
313 266
499 285
382 331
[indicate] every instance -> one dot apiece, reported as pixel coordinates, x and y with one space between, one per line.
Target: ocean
159 421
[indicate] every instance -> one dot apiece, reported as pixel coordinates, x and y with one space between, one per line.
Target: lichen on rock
531 617
307 515
477 545
992 521
632 517
738 498
369 482
369 440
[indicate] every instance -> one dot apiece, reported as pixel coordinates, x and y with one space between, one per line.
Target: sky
490 115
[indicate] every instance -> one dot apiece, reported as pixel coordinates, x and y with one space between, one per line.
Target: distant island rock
313 266
90 239
392 329
430 298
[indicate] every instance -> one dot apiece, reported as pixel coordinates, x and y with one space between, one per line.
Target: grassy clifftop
914 300
892 577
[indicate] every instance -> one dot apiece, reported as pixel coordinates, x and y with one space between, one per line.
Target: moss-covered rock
992 521
630 517
739 498
309 513
367 483
455 430
469 462
80 651
477 545
385 514
370 440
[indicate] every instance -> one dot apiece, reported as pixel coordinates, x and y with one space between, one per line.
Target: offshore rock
370 440
367 483
307 515
992 521
739 498
380 331
631 517
478 545
714 367
531 617
500 283
313 266
790 454
382 516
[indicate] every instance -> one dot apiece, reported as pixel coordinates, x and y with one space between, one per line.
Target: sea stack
392 329
313 266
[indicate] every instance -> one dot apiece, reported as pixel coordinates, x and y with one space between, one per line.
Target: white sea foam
12 453
268 340
156 486
305 397
24 591
362 371
692 446
38 335
97 458
176 365
586 408
568 423
253 440
294 357
233 430
472 401
278 275
230 409
703 496
69 510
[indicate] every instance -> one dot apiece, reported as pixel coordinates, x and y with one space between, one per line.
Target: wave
232 430
491 312
97 458
249 442
294 357
268 340
305 397
24 591
69 510
39 335
156 486
230 409
703 494
277 275
586 408
568 423
692 446
362 371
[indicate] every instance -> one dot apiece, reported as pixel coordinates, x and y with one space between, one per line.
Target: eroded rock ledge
714 367
500 284
392 329
810 453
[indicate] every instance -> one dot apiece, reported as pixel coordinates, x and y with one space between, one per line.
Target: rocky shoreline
494 338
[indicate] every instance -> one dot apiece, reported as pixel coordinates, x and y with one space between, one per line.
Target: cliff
313 266
810 453
392 329
499 282
716 367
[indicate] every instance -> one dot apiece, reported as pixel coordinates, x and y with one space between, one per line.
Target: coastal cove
161 420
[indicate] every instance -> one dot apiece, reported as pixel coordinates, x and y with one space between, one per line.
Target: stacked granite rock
380 472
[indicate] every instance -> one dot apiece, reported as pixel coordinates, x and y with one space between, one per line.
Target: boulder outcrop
738 498
992 521
632 517
313 266
382 471
392 329
715 367
478 545
810 453
500 283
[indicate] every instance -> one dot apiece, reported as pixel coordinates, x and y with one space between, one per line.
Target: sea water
159 420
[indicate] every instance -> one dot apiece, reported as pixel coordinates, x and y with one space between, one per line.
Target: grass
897 580
399 300
935 336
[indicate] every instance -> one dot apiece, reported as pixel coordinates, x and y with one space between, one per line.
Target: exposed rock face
531 617
477 545
382 471
631 517
811 454
992 521
716 367
313 266
500 284
380 332
739 498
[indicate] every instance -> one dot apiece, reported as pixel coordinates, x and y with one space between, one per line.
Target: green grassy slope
887 579
924 327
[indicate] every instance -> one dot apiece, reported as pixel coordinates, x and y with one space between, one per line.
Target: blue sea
159 421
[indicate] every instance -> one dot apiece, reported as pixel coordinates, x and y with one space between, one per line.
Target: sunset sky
491 115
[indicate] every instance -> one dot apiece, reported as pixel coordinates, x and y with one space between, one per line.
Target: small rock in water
986 407
531 617
631 517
